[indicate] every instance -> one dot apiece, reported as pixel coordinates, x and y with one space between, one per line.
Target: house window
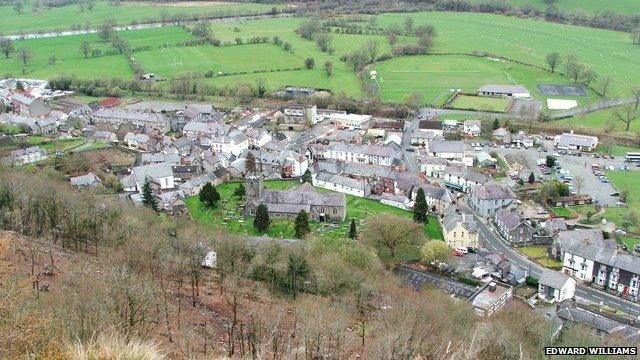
335 211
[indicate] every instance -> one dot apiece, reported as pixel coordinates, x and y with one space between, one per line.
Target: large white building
159 175
571 141
367 154
554 286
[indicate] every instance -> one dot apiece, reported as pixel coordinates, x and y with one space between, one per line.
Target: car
621 231
636 248
457 253
606 181
615 193
462 250
620 203
411 150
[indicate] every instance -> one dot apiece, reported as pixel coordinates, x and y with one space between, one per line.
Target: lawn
480 103
227 215
616 150
64 17
563 212
629 241
538 253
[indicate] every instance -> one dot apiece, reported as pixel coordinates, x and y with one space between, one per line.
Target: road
493 242
409 157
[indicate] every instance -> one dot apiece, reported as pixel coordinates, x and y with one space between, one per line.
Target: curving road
494 242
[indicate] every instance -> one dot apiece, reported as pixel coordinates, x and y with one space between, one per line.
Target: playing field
64 17
226 59
480 103
434 76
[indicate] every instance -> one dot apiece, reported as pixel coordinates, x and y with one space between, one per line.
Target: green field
64 17
625 180
563 212
603 119
434 77
480 103
583 6
607 52
226 59
227 215
539 254
69 59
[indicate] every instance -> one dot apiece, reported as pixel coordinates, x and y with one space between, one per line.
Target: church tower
253 186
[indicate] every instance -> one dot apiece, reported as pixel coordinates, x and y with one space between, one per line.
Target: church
286 204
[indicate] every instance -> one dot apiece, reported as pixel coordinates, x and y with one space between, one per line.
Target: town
521 214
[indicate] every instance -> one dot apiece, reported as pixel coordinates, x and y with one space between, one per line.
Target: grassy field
625 180
584 6
603 119
563 212
227 215
69 59
64 17
225 59
434 76
480 103
616 150
607 52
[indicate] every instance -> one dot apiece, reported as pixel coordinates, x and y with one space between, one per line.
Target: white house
27 156
367 154
462 179
472 128
160 175
341 184
554 286
351 121
516 91
235 143
137 141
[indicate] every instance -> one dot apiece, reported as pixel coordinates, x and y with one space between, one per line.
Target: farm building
571 141
516 91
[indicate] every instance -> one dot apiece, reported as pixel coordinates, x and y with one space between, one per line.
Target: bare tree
588 76
578 181
85 48
6 46
636 97
371 48
553 59
627 114
604 85
25 55
391 233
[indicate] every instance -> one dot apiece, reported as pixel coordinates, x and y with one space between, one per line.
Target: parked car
615 193
621 231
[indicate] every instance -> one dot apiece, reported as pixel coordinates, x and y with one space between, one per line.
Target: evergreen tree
261 221
250 163
496 124
420 207
301 225
306 177
532 178
148 199
353 233
240 191
209 195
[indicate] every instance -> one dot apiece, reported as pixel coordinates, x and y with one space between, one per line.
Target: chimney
492 287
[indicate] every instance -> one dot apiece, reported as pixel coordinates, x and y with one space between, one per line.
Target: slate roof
435 192
464 173
300 198
430 125
492 191
170 158
567 139
590 244
371 150
554 279
342 180
443 146
509 220
453 216
84 180
503 89
153 171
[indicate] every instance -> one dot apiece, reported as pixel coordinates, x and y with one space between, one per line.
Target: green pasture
64 17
